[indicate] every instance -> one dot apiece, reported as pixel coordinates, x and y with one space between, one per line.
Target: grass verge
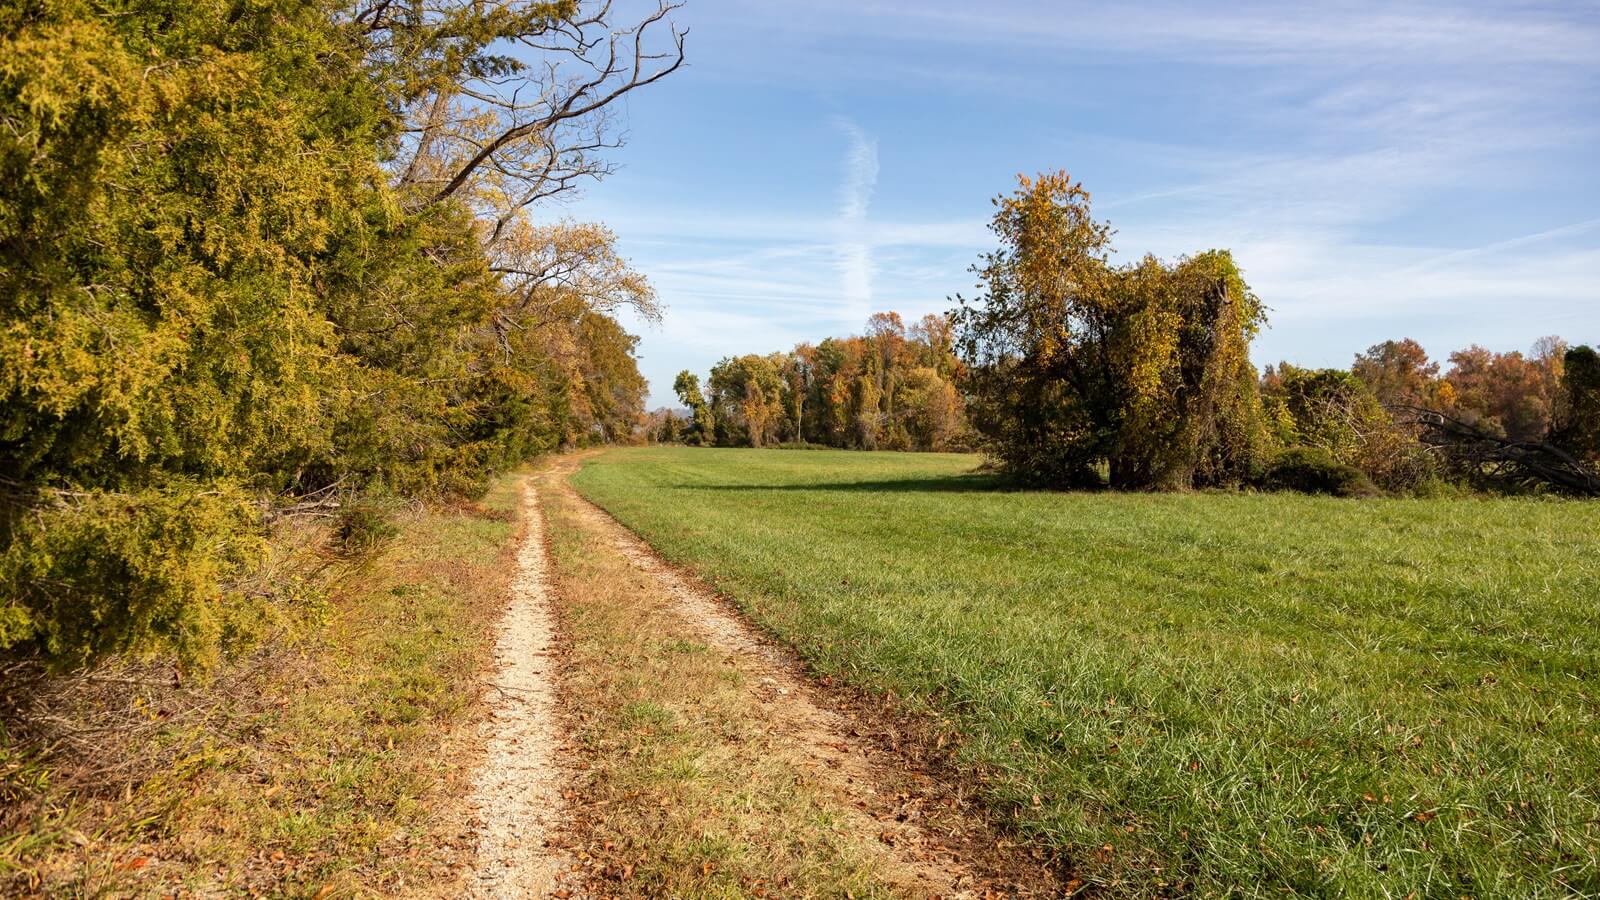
1208 694
329 761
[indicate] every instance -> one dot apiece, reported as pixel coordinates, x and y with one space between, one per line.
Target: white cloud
1228 34
1378 170
855 196
861 173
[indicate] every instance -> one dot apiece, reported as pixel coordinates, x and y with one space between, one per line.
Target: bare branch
1480 452
499 129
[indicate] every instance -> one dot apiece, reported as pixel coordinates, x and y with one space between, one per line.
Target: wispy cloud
1550 234
1378 170
855 196
861 173
1234 34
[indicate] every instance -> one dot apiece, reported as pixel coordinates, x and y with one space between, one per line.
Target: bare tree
510 102
549 271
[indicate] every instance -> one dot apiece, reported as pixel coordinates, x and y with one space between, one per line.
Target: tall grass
330 761
1205 693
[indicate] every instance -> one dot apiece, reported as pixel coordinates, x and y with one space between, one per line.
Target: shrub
364 524
1436 488
89 573
1394 459
1313 470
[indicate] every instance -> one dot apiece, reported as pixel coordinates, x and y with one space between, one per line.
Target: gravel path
518 791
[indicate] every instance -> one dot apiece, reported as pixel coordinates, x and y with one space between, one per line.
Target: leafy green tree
929 407
1577 425
1331 409
702 422
747 399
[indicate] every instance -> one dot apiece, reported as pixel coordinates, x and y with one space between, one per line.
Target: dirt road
912 836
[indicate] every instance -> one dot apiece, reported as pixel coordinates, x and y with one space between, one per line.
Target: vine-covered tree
1075 364
702 425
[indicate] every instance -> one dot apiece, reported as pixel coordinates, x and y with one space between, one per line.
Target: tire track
817 740
517 794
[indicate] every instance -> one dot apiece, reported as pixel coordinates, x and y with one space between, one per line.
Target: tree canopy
255 252
1077 365
894 387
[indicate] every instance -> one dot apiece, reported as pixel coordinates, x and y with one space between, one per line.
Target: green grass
1243 694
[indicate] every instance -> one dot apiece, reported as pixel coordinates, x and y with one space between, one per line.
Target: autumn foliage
1077 365
1072 371
892 388
259 258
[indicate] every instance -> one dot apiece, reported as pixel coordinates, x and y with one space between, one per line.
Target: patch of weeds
320 761
366 523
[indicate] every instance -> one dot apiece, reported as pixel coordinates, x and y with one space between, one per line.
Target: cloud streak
855 196
1379 171
1231 34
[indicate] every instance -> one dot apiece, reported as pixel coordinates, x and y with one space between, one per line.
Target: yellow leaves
61 70
540 265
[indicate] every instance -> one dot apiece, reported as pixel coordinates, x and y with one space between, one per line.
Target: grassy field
1206 693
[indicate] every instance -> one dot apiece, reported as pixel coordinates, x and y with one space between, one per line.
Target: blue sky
1378 170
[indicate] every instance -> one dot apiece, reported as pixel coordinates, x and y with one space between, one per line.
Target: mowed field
1204 693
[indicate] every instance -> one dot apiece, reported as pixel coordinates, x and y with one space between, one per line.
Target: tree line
892 388
270 258
1071 371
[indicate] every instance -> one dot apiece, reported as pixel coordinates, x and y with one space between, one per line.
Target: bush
1313 470
90 573
1395 460
1436 488
365 524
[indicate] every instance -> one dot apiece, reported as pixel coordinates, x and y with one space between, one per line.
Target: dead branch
505 130
1479 451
